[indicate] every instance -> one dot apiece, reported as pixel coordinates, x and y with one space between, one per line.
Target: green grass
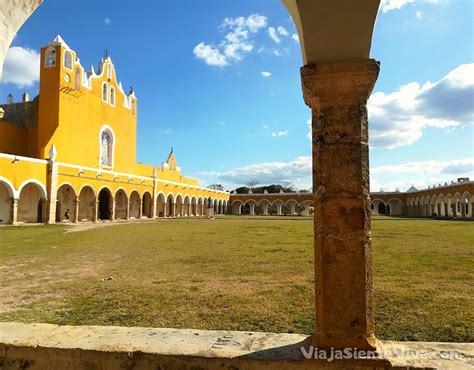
236 273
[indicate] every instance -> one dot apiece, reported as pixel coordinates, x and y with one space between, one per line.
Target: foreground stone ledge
47 346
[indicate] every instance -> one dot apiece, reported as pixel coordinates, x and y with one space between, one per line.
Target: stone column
96 210
278 208
264 207
52 190
337 94
140 209
252 208
14 219
75 219
112 211
127 211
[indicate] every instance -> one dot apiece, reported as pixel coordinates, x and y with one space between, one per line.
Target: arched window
68 60
112 95
50 57
78 78
104 92
106 147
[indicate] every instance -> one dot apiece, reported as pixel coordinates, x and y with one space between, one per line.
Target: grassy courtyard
232 273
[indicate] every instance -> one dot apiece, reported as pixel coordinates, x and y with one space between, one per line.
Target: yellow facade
71 152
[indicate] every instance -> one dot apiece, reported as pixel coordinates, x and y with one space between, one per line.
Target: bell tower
56 66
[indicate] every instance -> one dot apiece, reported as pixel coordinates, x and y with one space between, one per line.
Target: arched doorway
6 199
31 203
121 205
179 206
87 204
381 208
395 207
147 207
105 204
186 209
193 211
200 207
170 206
65 204
160 205
135 204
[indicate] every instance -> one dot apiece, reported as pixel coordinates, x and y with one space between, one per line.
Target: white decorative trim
87 186
68 184
21 158
33 181
10 187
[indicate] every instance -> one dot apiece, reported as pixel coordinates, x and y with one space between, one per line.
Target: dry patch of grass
233 273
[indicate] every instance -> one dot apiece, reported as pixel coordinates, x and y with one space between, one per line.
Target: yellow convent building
71 152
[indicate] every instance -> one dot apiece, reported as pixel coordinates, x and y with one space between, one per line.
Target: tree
251 184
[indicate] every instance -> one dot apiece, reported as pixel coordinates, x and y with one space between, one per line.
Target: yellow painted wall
22 170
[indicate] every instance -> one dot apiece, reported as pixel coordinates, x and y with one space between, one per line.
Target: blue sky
219 81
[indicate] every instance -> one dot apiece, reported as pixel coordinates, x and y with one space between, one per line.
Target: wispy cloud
272 32
21 67
282 31
298 171
237 42
388 5
280 133
266 74
398 118
107 21
295 38
165 131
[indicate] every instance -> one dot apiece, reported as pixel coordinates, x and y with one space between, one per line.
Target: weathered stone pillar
112 211
127 211
52 188
292 208
337 93
96 211
278 208
252 208
140 209
14 219
75 219
264 207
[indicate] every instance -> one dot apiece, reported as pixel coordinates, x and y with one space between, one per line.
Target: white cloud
398 118
389 177
282 31
107 20
236 42
272 32
266 74
280 133
210 55
388 5
264 126
165 131
295 37
421 174
21 66
297 171
419 15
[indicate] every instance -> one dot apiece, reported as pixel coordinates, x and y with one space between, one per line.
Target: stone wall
23 114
